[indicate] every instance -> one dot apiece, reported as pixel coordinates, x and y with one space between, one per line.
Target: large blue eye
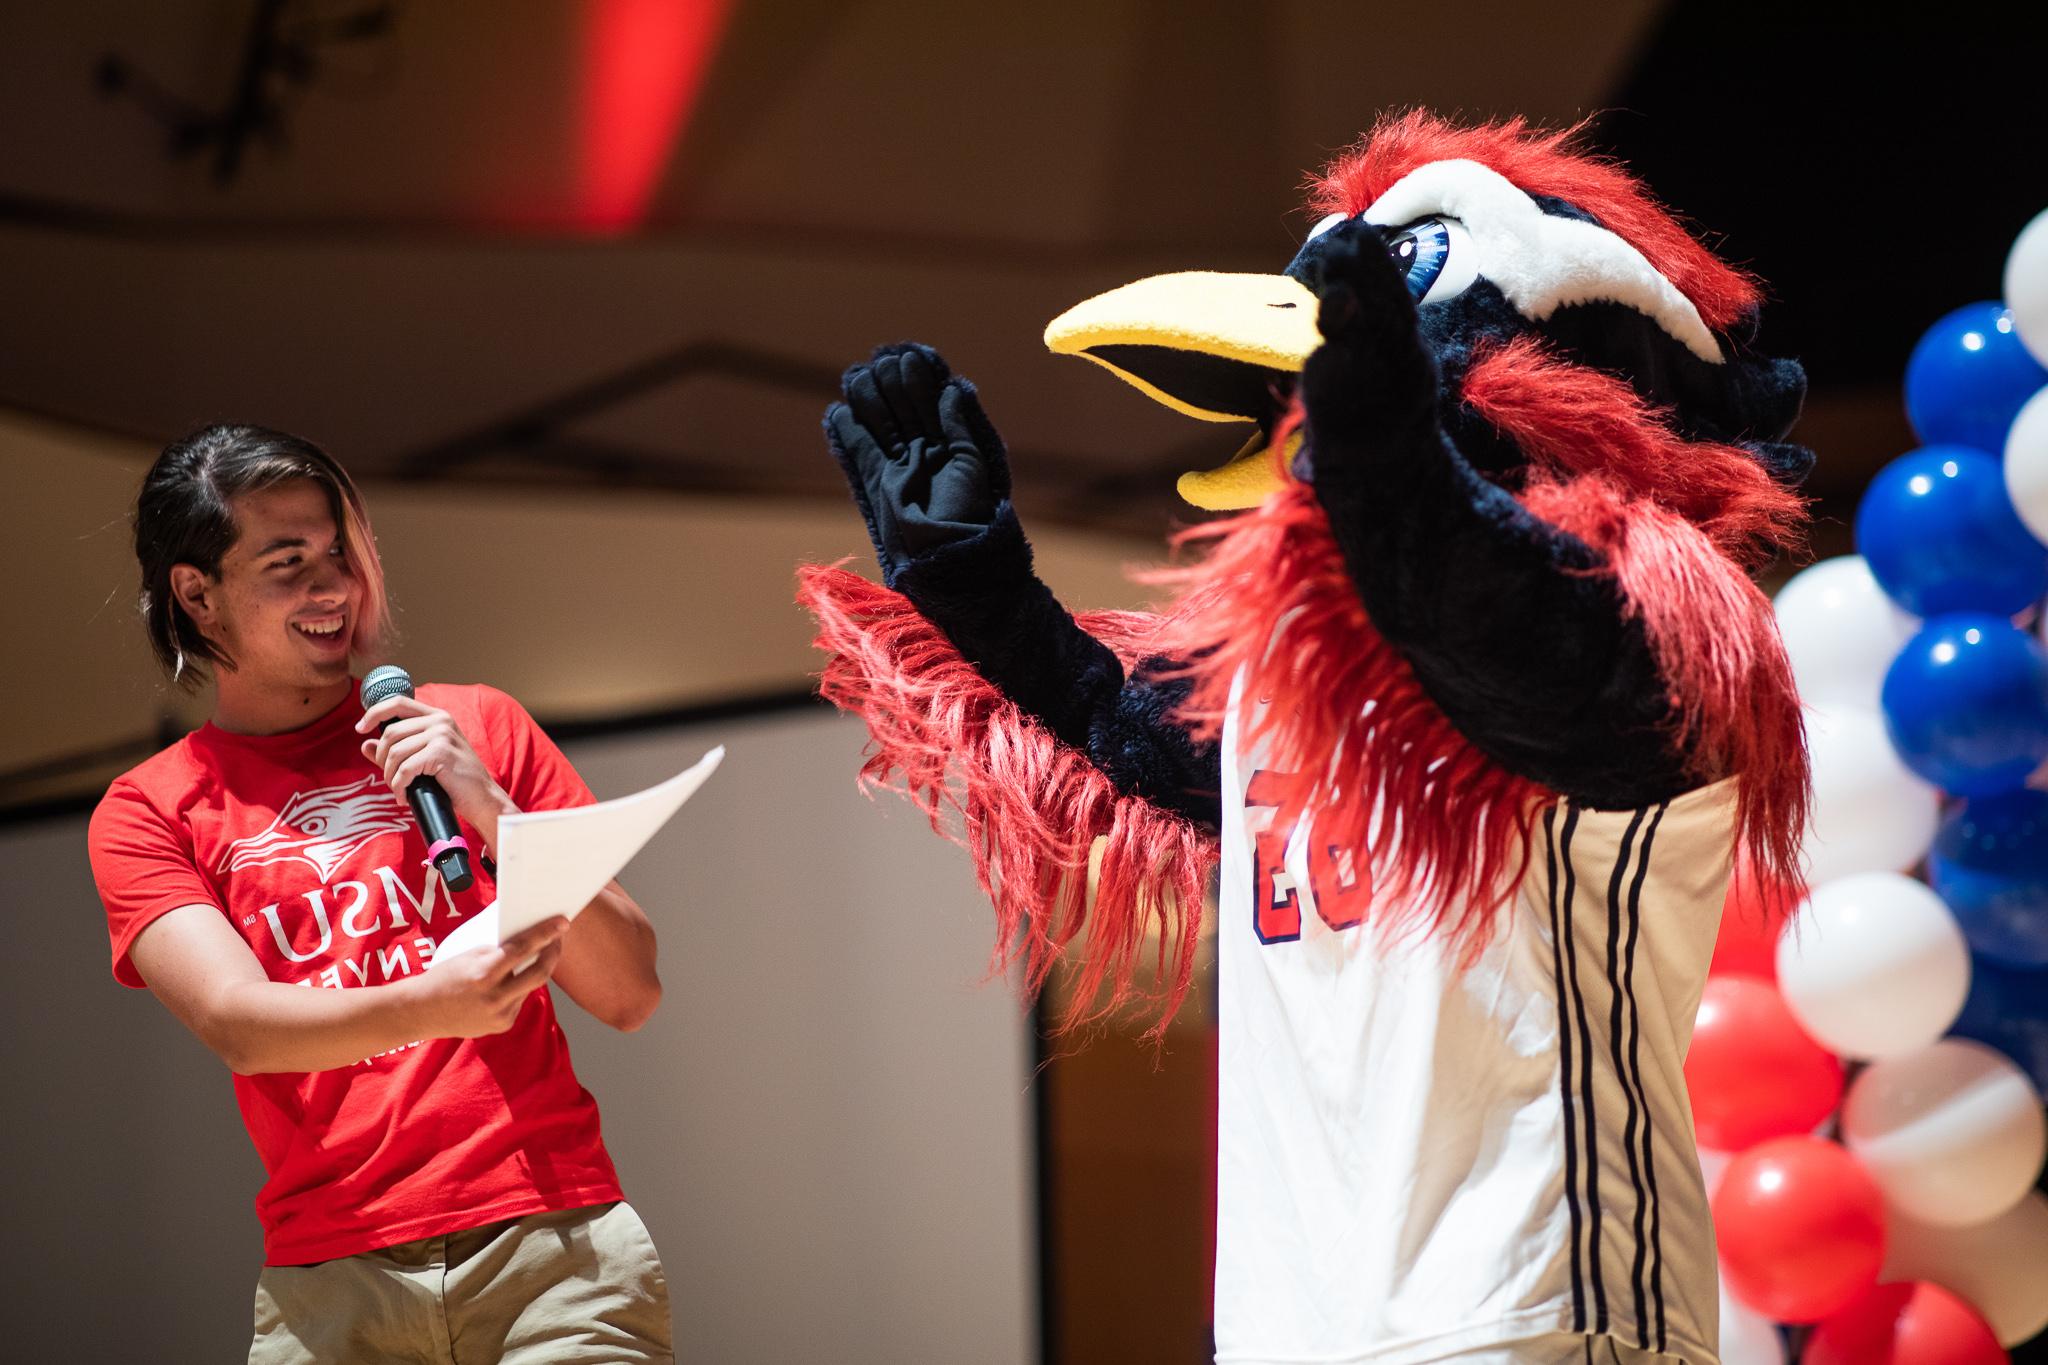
1437 254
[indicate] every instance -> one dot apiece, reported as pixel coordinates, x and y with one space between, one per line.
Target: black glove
1372 370
924 464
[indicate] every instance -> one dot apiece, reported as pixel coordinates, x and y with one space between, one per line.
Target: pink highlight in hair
1029 808
372 633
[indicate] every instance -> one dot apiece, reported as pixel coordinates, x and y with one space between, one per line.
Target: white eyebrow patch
1541 263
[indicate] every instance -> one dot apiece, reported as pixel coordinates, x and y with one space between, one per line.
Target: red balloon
1747 944
1905 1324
1752 1071
1801 1228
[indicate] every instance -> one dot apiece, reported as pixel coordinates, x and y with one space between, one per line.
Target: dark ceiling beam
548 419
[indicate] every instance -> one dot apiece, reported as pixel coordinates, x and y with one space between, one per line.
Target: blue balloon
2007 1009
1968 376
1939 531
1990 864
1966 703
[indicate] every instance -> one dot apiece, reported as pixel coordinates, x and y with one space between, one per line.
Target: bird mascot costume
1470 708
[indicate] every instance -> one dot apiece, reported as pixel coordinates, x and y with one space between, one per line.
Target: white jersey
1417 1159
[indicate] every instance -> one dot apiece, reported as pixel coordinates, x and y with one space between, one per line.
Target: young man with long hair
437 1188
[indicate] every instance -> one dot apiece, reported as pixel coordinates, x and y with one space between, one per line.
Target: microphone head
384 682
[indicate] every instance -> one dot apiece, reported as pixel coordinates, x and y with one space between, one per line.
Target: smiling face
283 609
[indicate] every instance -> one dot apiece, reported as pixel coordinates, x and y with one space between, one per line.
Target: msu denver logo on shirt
323 827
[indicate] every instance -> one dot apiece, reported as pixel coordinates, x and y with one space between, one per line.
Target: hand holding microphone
418 747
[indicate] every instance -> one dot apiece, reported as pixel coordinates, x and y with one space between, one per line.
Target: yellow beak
1246 480
1211 345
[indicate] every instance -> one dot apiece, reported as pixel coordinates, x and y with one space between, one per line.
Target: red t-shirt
321 869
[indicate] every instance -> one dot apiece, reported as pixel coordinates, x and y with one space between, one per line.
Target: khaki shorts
581 1285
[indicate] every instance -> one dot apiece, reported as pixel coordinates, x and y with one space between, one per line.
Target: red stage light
644 64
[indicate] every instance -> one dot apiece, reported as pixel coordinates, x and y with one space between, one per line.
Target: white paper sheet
551 862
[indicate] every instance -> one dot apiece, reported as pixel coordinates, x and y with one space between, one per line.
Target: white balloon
1873 965
2026 463
1952 1133
1870 812
1841 632
1995 1267
2026 286
1747 1336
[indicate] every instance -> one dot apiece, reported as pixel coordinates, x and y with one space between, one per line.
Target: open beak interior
1222 348
1210 387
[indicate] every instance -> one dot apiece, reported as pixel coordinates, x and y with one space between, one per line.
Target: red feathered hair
1553 163
1031 811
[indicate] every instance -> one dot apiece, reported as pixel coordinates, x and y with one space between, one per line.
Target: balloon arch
1867 1078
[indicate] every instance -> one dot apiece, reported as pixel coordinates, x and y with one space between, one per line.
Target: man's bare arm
194 962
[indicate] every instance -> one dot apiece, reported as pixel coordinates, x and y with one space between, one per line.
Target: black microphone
447 850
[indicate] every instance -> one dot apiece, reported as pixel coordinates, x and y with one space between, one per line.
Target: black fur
983 594
932 480
1745 398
